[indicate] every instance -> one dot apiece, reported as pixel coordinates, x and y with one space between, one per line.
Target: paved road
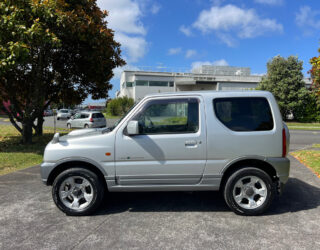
300 139
176 220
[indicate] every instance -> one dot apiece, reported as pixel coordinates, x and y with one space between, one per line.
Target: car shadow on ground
297 196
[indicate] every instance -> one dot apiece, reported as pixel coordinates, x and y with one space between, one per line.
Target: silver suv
87 120
235 142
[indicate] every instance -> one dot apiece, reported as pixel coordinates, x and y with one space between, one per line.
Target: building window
129 84
170 84
141 83
158 83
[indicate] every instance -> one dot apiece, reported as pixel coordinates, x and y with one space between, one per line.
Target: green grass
310 158
303 126
107 116
316 145
14 155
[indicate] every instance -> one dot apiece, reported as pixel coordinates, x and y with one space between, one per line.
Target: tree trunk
27 132
39 126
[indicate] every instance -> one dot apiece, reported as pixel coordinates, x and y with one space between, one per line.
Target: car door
75 121
170 147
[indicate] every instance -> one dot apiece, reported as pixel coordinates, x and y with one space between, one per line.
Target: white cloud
125 19
174 51
190 53
308 19
185 30
270 2
196 66
117 71
229 21
155 8
134 46
124 16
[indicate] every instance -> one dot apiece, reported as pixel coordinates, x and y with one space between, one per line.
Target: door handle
190 143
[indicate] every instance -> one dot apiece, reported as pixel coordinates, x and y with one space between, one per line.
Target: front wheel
77 191
249 191
69 126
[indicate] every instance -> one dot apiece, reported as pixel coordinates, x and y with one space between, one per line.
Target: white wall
236 86
141 91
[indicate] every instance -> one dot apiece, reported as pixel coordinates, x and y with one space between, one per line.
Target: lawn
14 155
310 158
303 126
107 116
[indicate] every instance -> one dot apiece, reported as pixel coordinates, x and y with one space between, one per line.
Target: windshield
117 122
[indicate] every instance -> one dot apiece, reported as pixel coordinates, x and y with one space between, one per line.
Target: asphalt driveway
183 220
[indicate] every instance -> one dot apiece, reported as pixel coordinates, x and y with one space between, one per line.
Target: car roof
214 93
90 112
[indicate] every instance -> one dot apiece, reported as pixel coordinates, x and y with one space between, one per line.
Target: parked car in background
235 142
63 114
87 120
48 112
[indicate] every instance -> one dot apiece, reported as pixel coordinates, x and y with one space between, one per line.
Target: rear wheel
77 191
249 191
69 126
86 126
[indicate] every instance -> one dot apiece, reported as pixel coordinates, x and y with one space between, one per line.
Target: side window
84 116
244 113
169 116
77 116
97 115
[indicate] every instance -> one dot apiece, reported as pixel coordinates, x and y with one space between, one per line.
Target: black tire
69 126
86 126
97 191
240 174
58 118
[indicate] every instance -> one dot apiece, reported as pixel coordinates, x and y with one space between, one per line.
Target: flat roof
231 93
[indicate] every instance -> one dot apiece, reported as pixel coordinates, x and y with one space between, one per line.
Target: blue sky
183 34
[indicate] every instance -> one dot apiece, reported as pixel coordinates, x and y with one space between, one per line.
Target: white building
137 84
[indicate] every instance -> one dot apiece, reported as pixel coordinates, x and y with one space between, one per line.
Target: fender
247 157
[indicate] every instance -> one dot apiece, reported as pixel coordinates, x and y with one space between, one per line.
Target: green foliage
119 106
285 81
310 112
53 51
315 73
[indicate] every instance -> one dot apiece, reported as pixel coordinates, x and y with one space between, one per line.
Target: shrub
119 106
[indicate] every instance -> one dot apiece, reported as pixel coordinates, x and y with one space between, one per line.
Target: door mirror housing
133 128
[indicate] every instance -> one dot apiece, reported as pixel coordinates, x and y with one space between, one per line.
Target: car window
169 116
97 115
244 113
77 116
83 116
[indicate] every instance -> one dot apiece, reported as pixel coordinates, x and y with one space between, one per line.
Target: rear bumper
282 167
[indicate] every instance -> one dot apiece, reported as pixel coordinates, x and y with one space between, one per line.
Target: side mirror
133 128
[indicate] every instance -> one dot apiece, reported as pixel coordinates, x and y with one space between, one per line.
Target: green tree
119 106
53 51
284 80
315 73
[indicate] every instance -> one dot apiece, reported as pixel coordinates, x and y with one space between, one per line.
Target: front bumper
45 170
